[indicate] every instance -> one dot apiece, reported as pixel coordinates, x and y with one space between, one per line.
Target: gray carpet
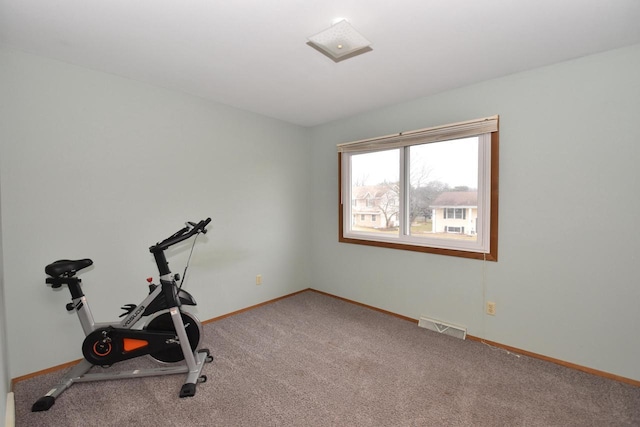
313 360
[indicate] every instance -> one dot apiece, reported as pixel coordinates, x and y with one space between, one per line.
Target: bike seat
66 267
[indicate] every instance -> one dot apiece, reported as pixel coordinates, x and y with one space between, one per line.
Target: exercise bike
169 334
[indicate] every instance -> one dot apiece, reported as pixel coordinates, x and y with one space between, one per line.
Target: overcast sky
451 162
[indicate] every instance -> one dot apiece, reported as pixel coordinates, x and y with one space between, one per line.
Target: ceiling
253 54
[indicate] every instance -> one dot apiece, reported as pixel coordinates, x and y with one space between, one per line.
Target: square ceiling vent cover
340 40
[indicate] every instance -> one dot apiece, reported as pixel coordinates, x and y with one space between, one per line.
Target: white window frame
485 246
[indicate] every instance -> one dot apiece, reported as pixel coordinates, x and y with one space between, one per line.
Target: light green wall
98 166
92 165
566 284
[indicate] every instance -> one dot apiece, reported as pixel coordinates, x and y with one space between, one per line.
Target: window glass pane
375 192
443 192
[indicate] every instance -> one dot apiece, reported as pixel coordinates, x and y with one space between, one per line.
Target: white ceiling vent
340 41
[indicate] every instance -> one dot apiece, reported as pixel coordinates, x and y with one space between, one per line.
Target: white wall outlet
259 279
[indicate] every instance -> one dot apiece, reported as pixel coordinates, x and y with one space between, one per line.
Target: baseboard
409 319
505 347
370 307
10 411
43 372
558 361
242 310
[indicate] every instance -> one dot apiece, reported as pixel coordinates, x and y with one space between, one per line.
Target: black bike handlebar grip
206 222
179 236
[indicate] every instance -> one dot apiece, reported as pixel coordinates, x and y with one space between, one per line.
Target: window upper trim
423 136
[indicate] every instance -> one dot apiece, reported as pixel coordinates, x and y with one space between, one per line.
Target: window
454 213
435 190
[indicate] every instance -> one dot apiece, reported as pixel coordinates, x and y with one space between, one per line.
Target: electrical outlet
491 308
259 279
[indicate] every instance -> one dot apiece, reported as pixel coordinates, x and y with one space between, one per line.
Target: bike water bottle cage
128 309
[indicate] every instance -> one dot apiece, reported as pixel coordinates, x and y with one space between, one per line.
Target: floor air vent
443 328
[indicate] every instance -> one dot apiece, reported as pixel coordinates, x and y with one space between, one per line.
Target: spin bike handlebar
189 230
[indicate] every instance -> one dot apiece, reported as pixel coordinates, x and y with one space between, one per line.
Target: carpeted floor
313 360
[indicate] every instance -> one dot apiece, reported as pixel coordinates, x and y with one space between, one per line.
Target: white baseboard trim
10 411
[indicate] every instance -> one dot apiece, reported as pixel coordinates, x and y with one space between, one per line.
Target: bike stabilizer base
80 374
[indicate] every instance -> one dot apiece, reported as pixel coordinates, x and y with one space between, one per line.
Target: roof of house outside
456 198
375 191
